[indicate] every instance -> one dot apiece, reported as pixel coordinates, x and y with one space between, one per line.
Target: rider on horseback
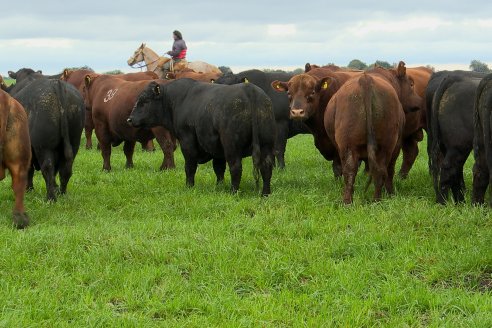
178 53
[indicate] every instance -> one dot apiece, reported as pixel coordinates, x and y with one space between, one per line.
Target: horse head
138 56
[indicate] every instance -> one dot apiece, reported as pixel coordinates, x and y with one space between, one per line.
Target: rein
144 65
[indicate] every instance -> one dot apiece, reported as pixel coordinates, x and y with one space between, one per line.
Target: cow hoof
21 220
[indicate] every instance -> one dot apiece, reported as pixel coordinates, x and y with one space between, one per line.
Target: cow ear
157 89
39 71
324 83
401 71
65 73
87 80
12 74
280 86
307 67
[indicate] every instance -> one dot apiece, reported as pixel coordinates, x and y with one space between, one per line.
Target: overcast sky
51 35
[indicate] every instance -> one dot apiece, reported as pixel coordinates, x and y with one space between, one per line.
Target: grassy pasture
136 248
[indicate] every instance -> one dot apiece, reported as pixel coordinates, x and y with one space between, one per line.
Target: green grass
136 248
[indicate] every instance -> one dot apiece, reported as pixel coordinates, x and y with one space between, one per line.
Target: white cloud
281 30
42 43
408 24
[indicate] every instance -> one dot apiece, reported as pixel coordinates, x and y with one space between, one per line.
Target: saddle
174 67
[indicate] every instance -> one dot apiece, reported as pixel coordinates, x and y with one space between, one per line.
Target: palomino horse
154 62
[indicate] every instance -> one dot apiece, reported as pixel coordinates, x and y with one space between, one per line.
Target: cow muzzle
297 114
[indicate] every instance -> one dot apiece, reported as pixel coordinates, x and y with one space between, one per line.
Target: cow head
304 92
410 100
23 73
148 110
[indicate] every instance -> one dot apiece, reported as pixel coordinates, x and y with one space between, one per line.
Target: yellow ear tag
246 80
278 86
325 85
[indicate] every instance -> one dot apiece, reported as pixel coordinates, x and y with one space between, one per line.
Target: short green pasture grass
136 248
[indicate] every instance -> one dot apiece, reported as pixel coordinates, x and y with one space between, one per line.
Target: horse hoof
21 220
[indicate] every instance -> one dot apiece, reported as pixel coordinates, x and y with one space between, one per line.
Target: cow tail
254 104
366 82
64 127
436 156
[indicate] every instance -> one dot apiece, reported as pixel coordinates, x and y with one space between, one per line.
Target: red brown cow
15 152
365 120
111 101
309 94
76 78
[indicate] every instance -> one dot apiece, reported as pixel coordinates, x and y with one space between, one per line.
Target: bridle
143 60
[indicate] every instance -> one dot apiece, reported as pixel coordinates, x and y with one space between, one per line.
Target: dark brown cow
111 101
331 67
308 95
76 78
15 152
414 121
365 120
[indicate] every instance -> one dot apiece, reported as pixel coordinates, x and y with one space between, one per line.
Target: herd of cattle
354 116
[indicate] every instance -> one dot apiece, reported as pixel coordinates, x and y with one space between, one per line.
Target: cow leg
266 168
88 127
19 182
106 154
451 176
458 186
410 151
219 169
30 178
350 164
481 177
128 149
380 177
281 144
168 145
65 173
388 184
148 146
88 139
236 170
337 167
48 170
190 169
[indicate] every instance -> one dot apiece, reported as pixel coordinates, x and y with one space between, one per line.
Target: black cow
55 112
482 143
286 128
223 123
450 131
431 89
23 73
